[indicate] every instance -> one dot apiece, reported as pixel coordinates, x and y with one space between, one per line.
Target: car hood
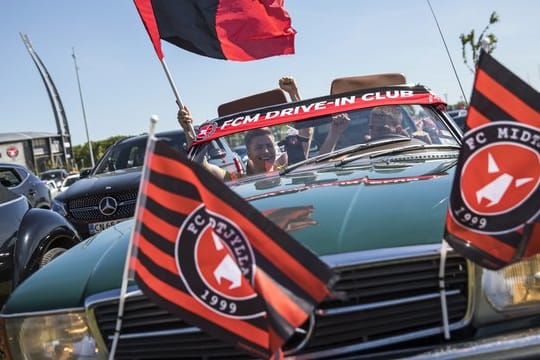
330 210
103 183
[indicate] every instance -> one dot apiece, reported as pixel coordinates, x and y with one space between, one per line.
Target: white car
68 181
52 187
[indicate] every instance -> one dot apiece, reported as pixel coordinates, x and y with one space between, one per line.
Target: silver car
22 181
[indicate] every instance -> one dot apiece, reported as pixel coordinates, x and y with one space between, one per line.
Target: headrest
267 98
346 84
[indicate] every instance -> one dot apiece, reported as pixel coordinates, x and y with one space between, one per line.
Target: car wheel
50 255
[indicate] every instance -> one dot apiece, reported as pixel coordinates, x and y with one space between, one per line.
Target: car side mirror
85 173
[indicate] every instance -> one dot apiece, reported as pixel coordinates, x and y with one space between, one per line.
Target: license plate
94 228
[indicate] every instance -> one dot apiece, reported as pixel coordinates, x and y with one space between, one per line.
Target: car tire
50 255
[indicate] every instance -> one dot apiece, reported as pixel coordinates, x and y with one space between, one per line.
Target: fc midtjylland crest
498 188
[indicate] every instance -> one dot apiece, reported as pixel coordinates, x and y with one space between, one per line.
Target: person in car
294 145
339 124
385 121
260 144
305 135
261 152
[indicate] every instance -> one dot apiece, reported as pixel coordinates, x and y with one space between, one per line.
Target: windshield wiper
347 150
393 151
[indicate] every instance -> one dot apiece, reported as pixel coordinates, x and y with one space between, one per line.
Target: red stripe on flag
146 12
249 30
186 301
506 99
485 243
159 257
533 247
278 299
475 118
259 240
154 223
169 200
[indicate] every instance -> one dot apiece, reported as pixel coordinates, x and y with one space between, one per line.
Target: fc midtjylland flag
203 253
494 213
239 30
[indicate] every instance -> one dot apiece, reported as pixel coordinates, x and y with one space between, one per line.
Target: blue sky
123 83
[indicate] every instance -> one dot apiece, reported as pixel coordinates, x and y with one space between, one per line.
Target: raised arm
186 122
288 84
339 124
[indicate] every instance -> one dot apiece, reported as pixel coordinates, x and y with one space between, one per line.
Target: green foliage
490 41
81 153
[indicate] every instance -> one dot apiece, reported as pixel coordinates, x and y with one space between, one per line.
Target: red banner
313 108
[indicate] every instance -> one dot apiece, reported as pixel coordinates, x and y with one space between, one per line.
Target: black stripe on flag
173 184
488 108
172 217
510 81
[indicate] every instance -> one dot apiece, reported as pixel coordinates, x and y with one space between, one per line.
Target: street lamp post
83 111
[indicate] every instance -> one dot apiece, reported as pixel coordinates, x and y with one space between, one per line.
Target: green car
360 177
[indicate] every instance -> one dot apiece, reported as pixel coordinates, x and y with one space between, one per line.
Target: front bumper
524 344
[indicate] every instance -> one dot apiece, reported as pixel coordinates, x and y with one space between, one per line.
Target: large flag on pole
239 30
202 252
494 213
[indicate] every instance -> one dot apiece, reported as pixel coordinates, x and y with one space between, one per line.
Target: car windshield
284 144
129 153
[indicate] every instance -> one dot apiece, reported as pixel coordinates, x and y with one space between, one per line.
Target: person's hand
288 84
184 118
186 122
340 123
281 161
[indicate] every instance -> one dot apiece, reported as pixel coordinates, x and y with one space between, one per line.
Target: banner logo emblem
217 265
496 192
12 152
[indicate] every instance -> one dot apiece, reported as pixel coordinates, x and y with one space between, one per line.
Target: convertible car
368 194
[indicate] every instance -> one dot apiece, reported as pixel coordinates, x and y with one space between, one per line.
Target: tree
82 154
489 41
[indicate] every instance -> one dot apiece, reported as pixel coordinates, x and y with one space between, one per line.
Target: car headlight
59 207
515 287
57 336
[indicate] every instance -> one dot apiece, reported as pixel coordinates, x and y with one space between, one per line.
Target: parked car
54 189
56 175
108 193
373 210
29 239
22 181
459 117
460 121
68 181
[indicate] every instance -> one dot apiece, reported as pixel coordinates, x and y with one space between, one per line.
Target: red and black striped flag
494 213
202 252
239 30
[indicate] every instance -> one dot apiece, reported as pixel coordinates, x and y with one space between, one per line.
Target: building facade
38 151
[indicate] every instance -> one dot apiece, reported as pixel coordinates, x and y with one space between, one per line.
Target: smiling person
260 144
261 152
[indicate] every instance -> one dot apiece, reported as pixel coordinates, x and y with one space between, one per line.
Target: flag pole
176 93
123 288
442 289
448 53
